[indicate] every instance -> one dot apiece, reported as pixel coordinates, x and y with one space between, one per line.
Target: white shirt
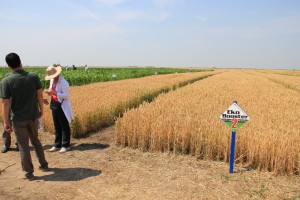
62 92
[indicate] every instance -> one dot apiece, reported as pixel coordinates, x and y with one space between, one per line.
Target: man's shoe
64 149
53 149
44 168
29 177
4 149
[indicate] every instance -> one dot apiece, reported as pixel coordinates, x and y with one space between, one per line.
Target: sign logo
234 117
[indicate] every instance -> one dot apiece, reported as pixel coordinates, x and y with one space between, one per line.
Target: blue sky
166 33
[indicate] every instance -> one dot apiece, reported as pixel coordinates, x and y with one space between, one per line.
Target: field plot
288 80
187 121
282 72
97 105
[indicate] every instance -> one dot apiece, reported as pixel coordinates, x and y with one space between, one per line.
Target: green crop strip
81 77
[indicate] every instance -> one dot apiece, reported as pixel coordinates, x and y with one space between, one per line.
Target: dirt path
97 169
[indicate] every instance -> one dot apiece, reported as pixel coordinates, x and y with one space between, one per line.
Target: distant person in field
67 68
74 68
6 137
22 96
61 109
86 69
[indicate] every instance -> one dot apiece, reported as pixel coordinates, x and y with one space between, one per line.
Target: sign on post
234 117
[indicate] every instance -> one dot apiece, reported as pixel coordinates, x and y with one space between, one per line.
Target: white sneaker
64 149
53 149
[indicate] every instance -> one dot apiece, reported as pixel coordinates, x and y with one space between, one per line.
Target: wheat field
186 121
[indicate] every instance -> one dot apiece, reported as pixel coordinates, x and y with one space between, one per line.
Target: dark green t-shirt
21 88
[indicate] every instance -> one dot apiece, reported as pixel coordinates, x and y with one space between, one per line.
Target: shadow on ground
84 146
69 174
81 147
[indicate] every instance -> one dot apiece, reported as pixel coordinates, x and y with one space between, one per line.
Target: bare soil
96 168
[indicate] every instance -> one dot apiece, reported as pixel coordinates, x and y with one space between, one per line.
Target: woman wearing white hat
61 108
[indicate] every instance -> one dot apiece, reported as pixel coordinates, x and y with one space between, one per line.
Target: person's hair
13 60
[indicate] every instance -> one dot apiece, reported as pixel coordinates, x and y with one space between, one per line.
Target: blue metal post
232 151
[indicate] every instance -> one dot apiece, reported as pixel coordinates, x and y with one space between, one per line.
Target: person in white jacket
61 108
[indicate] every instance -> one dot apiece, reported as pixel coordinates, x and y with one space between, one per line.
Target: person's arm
5 109
48 91
64 94
40 101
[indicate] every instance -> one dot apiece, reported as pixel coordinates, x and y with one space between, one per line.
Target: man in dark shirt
22 95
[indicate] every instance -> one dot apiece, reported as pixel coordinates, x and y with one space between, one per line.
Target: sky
261 34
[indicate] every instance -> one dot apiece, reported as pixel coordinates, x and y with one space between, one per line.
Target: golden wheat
288 81
187 121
